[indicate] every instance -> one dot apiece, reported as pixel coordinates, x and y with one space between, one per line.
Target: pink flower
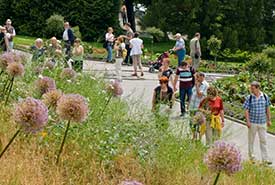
68 74
51 98
5 59
223 157
45 84
31 115
130 183
115 88
49 64
15 69
72 107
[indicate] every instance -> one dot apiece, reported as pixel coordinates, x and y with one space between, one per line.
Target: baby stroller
158 63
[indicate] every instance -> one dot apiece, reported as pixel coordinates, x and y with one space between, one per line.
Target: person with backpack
68 38
109 42
129 35
185 75
195 50
258 118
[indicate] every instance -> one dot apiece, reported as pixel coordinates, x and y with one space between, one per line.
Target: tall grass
127 142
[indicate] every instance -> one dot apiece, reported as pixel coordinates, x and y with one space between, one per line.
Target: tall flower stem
6 86
10 142
63 142
9 91
106 104
217 178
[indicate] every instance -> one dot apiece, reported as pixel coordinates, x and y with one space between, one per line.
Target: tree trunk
130 13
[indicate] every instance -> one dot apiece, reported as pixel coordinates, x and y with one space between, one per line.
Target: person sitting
165 70
55 48
38 50
163 94
78 54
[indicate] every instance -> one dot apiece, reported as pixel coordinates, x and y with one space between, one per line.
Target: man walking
195 51
129 35
258 117
136 45
68 38
10 34
185 75
179 48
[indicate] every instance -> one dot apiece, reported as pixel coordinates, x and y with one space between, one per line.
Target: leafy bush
238 56
214 45
54 26
156 33
77 32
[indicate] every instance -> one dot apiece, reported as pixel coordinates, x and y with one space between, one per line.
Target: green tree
214 45
54 26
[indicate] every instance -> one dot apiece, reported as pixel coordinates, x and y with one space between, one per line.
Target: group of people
128 49
74 57
204 104
7 33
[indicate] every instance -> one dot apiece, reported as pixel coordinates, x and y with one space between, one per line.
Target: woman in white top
136 45
109 38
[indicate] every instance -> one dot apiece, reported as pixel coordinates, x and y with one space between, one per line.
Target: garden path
142 89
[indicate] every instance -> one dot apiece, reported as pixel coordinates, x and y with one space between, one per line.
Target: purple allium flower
51 98
49 64
115 88
199 118
5 59
15 69
45 84
38 70
68 73
19 57
31 115
72 107
224 157
130 183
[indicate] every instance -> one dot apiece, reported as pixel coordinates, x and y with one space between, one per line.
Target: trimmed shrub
54 26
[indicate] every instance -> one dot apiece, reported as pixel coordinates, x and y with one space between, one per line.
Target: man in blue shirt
257 114
180 48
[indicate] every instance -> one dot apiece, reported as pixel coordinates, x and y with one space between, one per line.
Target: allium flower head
31 115
49 64
20 58
45 84
5 59
115 88
72 107
199 118
68 73
15 69
223 157
38 70
51 98
131 183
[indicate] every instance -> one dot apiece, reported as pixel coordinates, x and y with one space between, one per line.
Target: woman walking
109 39
165 70
212 107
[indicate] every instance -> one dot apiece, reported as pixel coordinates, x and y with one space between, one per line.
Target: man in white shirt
68 38
136 45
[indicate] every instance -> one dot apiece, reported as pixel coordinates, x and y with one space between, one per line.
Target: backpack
250 99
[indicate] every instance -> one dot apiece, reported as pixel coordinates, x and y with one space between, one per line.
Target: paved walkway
142 89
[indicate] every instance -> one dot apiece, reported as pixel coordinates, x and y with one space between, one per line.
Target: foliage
244 25
54 26
156 33
77 32
237 56
259 64
214 45
92 16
